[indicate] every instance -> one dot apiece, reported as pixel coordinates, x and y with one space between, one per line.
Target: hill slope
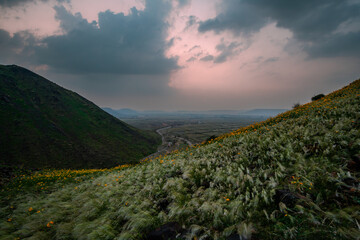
295 176
43 125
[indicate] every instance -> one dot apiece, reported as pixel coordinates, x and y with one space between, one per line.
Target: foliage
227 186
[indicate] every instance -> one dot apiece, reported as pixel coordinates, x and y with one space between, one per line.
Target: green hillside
295 176
43 125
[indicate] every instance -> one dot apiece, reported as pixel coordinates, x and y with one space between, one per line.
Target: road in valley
162 135
185 140
166 146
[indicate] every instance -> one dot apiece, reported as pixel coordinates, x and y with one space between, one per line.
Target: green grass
227 186
45 126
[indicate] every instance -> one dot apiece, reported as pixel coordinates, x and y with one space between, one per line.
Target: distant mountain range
122 113
127 113
43 125
264 112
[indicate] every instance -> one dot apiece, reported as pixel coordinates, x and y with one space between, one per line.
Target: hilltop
43 125
294 176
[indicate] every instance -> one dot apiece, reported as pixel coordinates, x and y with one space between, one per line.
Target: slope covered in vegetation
44 125
295 176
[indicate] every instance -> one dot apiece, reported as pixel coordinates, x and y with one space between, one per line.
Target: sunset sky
186 54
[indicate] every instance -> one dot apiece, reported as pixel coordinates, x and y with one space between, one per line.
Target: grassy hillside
295 176
43 125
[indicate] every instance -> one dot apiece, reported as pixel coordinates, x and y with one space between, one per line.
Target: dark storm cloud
117 55
7 43
17 48
14 3
70 22
238 16
311 22
338 45
118 43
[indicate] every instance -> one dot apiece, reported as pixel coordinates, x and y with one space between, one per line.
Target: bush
317 97
296 105
212 137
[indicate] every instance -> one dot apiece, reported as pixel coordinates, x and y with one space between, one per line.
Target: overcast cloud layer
322 26
14 3
182 54
117 43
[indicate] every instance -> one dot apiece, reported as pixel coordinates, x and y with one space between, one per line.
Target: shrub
296 105
212 137
317 97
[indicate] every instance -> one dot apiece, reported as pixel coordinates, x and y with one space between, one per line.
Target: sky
186 54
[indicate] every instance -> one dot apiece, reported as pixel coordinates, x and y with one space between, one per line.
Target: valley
182 131
293 176
179 120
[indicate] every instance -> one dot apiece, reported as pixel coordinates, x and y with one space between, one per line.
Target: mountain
43 125
123 113
294 176
126 113
264 112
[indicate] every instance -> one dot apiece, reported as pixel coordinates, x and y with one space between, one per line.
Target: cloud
14 3
117 43
194 47
183 3
118 55
171 42
18 47
72 22
312 23
237 16
192 20
192 59
272 59
339 45
207 58
226 51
